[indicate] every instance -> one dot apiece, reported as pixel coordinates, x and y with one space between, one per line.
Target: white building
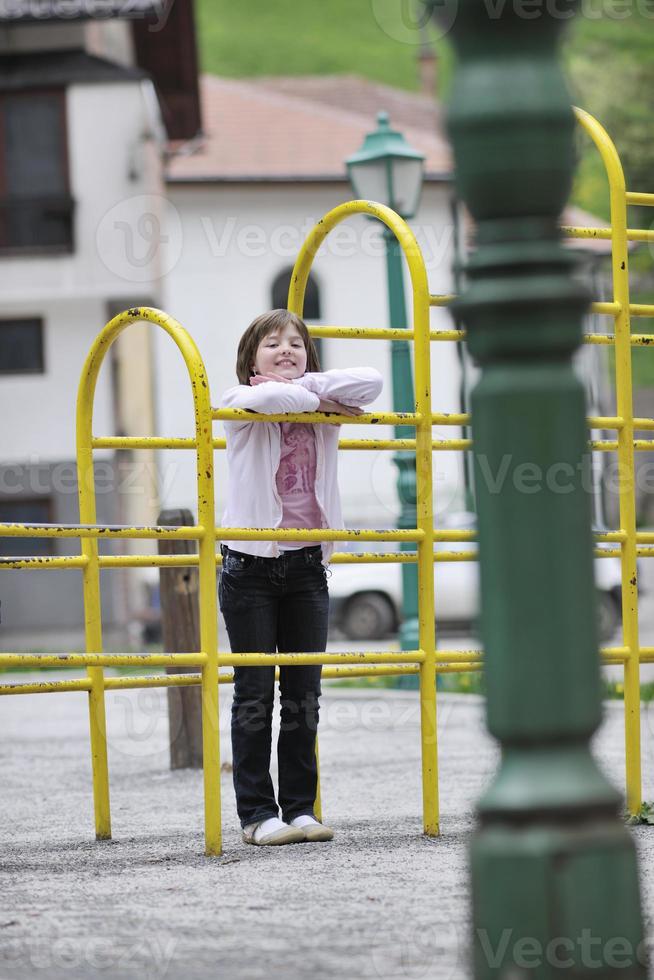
80 166
270 165
104 207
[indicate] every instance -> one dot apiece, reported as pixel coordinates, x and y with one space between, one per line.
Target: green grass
361 37
365 37
608 61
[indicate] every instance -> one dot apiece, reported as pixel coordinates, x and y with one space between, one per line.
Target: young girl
273 595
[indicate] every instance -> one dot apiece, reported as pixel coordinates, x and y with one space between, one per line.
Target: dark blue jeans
275 604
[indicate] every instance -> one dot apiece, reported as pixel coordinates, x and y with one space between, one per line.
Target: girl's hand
258 379
327 405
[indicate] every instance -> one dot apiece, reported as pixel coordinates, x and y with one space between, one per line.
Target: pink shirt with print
296 480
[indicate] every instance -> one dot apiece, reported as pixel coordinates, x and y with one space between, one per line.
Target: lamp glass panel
369 181
407 184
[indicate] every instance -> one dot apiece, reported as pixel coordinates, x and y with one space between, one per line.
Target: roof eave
430 178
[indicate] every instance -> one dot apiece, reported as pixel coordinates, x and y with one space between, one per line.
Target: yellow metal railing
426 661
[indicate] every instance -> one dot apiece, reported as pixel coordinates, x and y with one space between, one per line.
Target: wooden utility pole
180 627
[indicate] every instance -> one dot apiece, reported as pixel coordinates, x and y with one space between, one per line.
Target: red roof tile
299 128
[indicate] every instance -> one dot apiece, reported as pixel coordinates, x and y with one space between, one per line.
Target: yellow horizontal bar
363 333
385 333
645 552
266 659
633 234
407 444
101 659
191 561
47 687
456 556
459 656
614 655
98 531
450 418
379 671
645 537
453 445
64 561
159 680
142 442
443 299
191 680
368 418
317 534
605 422
603 445
608 309
645 200
644 424
619 535
447 335
613 309
637 339
134 442
377 444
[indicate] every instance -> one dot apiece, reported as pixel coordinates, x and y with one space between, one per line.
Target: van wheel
368 616
608 616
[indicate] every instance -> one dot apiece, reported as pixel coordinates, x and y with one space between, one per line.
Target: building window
21 346
23 511
36 209
311 301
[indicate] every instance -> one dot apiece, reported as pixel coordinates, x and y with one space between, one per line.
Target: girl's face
282 352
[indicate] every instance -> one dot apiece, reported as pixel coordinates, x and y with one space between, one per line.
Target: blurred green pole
554 877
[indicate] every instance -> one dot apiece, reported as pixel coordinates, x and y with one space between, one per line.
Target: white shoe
272 831
311 828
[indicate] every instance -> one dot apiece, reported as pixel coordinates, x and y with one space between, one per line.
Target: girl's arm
353 386
270 398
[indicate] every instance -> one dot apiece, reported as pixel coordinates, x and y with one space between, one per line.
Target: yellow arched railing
427 661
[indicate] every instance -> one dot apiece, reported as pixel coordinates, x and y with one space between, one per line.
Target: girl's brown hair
260 327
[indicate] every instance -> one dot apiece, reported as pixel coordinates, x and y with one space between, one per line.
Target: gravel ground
379 901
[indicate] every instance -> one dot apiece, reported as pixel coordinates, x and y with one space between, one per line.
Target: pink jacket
253 450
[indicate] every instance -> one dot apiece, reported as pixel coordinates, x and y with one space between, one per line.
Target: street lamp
387 170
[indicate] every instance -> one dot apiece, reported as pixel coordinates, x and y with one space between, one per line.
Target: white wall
115 177
115 181
39 409
232 242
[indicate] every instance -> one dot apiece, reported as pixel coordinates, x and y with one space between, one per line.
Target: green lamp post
554 877
386 169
